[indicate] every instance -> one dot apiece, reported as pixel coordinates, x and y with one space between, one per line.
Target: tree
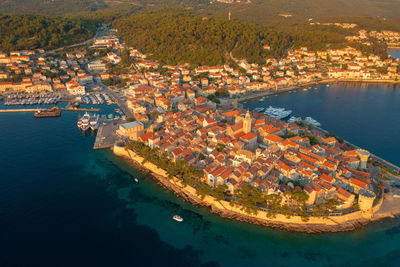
219 192
203 189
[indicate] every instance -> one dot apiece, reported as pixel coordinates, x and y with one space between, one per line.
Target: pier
20 110
37 109
106 136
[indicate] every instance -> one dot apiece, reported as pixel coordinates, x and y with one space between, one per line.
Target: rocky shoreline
307 227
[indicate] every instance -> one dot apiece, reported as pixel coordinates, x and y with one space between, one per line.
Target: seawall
346 222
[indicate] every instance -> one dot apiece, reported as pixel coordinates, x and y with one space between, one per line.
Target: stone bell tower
247 123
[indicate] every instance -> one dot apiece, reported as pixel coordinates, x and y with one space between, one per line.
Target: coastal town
191 117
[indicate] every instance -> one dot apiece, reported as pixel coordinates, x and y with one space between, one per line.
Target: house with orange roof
312 194
251 140
345 197
358 184
224 176
286 170
272 139
288 144
212 177
327 178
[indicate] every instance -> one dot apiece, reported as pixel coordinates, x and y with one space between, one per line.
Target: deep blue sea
64 204
367 115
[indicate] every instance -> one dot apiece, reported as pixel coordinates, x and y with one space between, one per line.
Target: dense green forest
35 31
54 7
180 36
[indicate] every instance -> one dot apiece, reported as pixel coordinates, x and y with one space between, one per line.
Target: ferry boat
53 112
177 218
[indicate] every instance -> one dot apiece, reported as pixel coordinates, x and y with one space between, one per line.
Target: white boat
85 127
85 118
136 180
83 122
258 109
311 121
177 218
294 119
277 113
94 121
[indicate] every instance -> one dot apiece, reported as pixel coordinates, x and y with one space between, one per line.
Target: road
74 45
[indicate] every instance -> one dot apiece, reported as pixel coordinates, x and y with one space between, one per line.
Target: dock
106 136
19 110
37 109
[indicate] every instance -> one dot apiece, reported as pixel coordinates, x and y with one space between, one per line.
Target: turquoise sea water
64 204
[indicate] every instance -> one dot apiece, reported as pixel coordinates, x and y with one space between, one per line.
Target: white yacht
94 121
85 121
294 119
312 122
177 218
277 113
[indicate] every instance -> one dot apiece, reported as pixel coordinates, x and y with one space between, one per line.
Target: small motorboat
177 218
136 180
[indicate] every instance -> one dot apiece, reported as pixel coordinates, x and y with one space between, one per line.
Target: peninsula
184 123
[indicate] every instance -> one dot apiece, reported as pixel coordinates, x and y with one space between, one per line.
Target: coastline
341 223
269 92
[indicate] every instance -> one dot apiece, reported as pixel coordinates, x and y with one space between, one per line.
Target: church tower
247 123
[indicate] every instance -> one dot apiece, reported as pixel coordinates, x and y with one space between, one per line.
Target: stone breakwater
224 209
